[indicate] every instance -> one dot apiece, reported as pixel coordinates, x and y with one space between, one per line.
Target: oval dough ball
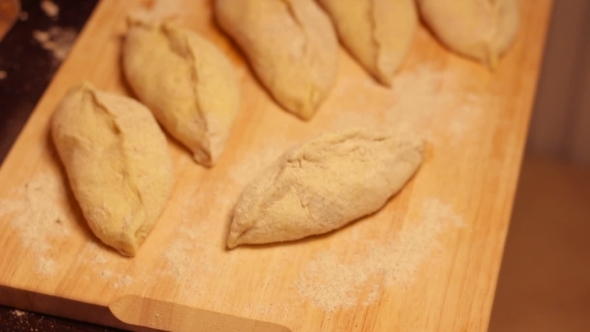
323 185
291 45
118 164
188 84
378 33
479 29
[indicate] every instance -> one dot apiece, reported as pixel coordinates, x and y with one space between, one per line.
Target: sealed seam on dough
479 29
187 83
322 185
118 164
378 33
291 46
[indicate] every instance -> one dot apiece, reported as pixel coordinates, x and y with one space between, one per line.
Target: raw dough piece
291 46
378 33
480 29
188 84
323 185
118 164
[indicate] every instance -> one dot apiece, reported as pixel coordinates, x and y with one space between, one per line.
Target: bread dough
322 185
118 164
188 84
291 45
479 29
378 33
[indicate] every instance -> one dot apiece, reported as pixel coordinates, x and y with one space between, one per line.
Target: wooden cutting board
427 262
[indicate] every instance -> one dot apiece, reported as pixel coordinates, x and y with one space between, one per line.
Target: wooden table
428 261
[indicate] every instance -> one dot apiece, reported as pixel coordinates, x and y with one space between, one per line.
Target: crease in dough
377 33
323 184
117 161
187 83
479 29
291 46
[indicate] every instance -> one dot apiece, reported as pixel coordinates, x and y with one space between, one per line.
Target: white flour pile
339 280
37 218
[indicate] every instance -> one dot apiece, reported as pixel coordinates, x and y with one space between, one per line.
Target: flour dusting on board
104 263
45 266
334 280
37 218
417 99
181 263
190 256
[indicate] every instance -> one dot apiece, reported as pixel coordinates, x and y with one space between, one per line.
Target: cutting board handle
162 315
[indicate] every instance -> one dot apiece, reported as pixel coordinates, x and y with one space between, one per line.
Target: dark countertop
29 69
28 66
14 320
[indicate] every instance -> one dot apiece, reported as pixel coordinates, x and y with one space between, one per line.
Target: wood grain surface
427 262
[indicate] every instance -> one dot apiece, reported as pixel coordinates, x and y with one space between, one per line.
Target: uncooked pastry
323 185
188 84
378 33
291 45
479 29
117 161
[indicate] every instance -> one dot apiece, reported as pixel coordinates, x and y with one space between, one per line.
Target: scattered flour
106 264
56 40
18 313
416 104
123 281
106 273
339 280
37 218
185 258
195 253
50 8
45 266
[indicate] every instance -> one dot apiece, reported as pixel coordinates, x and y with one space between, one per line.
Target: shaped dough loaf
322 185
378 33
118 164
291 46
479 29
187 83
